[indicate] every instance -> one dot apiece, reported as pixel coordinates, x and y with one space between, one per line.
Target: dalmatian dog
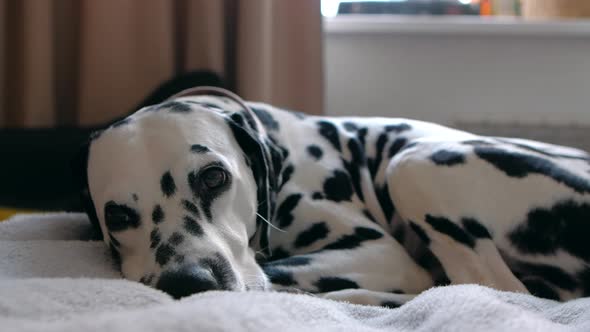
208 192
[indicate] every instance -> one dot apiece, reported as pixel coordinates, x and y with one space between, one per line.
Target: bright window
331 8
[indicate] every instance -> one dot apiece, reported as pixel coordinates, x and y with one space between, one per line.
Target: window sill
453 25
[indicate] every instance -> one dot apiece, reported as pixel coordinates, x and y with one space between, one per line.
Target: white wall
500 76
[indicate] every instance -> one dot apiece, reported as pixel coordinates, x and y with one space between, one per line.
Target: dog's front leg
376 273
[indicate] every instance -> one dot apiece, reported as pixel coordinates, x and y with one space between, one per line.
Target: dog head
182 192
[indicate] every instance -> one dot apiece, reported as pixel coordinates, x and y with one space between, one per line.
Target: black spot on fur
540 288
398 128
312 234
351 241
520 165
279 253
157 214
396 146
122 122
286 175
368 214
338 187
543 152
175 239
564 226
447 227
267 120
198 148
399 233
430 263
315 151
279 277
317 196
416 242
366 233
420 232
549 273
476 229
362 135
167 184
238 119
277 153
190 207
374 163
447 158
284 216
119 217
290 261
331 284
164 253
357 152
385 201
390 304
206 207
329 131
358 160
155 238
350 126
175 106
192 226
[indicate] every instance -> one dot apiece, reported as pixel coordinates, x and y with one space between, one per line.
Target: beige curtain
85 62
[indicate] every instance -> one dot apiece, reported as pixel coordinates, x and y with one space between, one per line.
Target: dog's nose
187 280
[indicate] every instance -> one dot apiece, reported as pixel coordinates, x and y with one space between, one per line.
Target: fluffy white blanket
51 279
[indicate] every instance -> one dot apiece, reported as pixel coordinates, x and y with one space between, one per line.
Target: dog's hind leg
447 196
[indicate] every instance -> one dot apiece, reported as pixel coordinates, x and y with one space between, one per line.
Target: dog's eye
214 177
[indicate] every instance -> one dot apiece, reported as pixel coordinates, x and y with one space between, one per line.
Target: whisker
271 225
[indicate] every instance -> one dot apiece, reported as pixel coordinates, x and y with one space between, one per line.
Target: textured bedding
53 279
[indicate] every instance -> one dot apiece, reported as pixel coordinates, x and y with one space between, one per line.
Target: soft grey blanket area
50 280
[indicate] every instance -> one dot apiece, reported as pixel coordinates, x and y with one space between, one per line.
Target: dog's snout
187 280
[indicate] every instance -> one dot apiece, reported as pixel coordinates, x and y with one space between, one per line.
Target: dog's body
369 210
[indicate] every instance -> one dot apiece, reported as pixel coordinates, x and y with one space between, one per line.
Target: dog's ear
265 160
79 168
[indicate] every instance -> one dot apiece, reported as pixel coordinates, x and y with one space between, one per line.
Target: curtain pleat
87 62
